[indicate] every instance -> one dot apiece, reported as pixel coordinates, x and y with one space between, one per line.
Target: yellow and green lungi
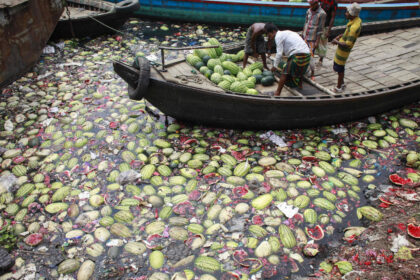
295 67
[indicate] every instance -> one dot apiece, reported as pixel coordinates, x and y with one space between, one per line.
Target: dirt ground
371 253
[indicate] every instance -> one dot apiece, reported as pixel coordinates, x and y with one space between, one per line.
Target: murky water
111 183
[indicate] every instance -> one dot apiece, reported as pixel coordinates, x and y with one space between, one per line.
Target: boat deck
182 73
79 12
376 61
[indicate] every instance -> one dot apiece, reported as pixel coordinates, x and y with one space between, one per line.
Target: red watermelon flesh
316 233
413 231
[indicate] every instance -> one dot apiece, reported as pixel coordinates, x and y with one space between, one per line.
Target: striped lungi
295 68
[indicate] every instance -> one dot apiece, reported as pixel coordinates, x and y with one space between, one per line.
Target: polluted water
94 185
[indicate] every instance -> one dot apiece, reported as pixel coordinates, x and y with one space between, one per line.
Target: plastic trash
274 138
7 182
127 177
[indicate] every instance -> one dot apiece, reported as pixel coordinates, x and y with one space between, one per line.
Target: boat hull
284 14
25 27
240 111
105 23
200 105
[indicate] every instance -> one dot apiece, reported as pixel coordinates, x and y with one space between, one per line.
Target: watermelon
203 69
218 69
251 91
206 59
248 84
232 67
316 233
256 65
228 78
247 71
212 52
240 55
201 53
224 57
212 63
208 73
258 78
238 87
267 73
224 85
267 81
193 59
198 65
216 78
241 76
214 42
413 230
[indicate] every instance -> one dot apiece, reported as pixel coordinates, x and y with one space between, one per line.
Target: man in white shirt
290 44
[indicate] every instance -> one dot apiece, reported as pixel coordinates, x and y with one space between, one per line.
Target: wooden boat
380 77
25 26
284 14
92 18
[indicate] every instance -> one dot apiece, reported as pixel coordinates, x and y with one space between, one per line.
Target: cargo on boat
25 26
284 14
92 18
380 76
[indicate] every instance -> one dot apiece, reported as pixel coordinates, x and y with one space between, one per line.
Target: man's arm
331 23
279 52
305 26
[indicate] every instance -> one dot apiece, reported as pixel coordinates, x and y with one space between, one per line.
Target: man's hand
274 69
327 34
334 41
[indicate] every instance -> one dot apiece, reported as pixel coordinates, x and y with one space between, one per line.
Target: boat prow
92 18
25 26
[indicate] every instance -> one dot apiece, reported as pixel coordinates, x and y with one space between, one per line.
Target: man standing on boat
330 8
255 43
294 47
312 31
345 43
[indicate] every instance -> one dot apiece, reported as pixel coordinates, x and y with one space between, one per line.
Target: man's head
314 4
353 11
271 30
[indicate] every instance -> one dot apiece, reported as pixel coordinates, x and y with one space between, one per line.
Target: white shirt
289 43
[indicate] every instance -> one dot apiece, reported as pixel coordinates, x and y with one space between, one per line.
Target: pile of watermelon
221 69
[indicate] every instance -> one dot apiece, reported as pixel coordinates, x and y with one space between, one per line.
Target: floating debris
126 194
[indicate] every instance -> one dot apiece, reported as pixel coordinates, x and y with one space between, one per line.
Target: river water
103 178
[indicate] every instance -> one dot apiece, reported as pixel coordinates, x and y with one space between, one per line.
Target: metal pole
162 52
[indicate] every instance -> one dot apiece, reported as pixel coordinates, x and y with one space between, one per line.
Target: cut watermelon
413 230
316 233
311 249
397 180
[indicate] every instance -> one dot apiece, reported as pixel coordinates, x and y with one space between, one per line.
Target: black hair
270 27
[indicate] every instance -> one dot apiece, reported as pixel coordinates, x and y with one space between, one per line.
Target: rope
69 19
189 78
107 26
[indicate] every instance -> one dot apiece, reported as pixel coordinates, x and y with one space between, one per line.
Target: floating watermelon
316 233
311 249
